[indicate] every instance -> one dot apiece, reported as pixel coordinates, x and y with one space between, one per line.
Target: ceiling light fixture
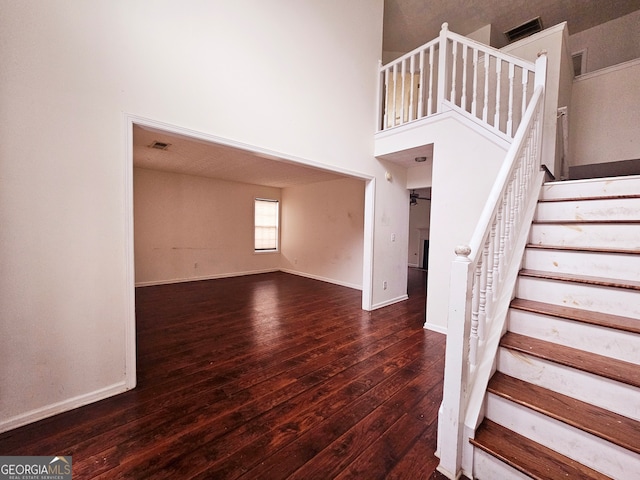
420 159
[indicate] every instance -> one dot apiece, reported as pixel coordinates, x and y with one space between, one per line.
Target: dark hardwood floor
262 377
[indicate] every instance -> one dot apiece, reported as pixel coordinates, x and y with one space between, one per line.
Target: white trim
243 274
391 301
216 276
435 328
368 244
63 406
130 360
477 125
322 279
467 120
607 70
260 152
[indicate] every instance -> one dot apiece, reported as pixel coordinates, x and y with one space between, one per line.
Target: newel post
442 66
450 437
541 69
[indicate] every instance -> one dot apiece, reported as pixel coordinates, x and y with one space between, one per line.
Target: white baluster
431 68
463 98
525 84
412 92
475 308
403 92
474 102
454 71
395 95
496 118
485 108
482 308
386 99
496 249
490 269
510 106
421 87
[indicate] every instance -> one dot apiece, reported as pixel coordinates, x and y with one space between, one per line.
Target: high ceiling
407 25
411 23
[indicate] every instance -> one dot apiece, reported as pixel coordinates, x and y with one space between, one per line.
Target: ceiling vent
524 30
159 145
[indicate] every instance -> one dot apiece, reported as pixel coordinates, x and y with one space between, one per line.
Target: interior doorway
419 223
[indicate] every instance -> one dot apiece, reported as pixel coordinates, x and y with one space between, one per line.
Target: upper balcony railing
455 72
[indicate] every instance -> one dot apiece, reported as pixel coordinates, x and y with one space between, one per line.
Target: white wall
298 78
605 115
463 173
190 228
554 41
611 43
322 231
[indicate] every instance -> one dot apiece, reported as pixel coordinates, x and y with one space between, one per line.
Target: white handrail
482 280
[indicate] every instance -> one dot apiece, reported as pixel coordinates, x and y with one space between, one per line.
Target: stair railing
482 282
455 72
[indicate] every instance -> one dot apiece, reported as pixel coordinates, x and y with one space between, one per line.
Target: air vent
524 30
159 145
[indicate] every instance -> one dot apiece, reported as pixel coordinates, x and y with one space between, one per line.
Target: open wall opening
192 213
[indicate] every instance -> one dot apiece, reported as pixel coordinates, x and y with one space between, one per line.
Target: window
266 225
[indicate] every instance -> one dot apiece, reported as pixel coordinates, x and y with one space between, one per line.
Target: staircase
565 399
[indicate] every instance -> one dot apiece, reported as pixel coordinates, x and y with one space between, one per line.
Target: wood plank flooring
262 377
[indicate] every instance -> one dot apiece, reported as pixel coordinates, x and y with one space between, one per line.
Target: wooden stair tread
527 456
587 198
576 314
568 277
568 248
611 368
615 428
587 222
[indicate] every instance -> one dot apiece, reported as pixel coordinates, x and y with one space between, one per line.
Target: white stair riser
588 235
612 186
608 265
602 392
583 447
488 467
595 298
591 338
584 210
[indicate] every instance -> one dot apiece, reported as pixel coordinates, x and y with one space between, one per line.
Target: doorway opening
202 159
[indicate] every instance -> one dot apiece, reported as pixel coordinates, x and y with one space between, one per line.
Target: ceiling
407 25
411 23
190 156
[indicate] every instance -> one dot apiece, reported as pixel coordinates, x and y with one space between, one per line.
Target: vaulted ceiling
407 25
411 23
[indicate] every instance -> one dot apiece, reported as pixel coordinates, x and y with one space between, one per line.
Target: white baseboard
60 407
322 279
205 277
386 303
435 328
